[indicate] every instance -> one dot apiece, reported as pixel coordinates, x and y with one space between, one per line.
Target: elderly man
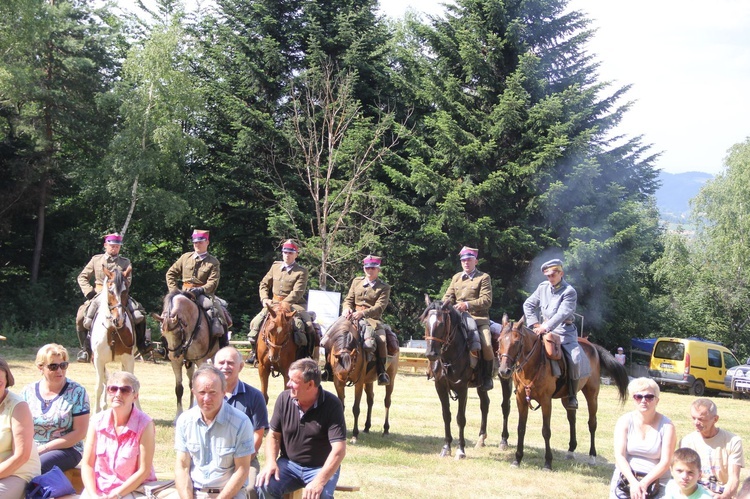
286 281
93 272
470 292
247 399
199 272
214 442
720 451
307 442
550 309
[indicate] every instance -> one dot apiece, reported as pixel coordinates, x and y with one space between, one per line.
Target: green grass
405 464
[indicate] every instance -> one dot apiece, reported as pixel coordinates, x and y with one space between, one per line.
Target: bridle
353 356
114 289
186 341
517 366
437 320
269 331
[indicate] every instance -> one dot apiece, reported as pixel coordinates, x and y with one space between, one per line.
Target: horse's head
115 287
440 322
345 354
277 329
510 346
178 312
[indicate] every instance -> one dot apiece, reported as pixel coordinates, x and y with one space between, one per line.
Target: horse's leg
370 401
547 431
263 373
573 443
484 406
523 414
592 402
462 393
388 393
358 388
190 370
442 392
505 384
127 363
101 377
178 388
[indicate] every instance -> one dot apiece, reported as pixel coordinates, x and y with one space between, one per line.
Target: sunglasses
125 390
639 396
55 367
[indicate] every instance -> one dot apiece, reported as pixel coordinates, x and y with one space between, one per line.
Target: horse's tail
614 370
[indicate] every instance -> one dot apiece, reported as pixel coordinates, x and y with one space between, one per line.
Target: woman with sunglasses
644 444
60 408
119 453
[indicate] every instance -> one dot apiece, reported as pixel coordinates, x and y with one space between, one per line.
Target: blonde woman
119 452
60 409
19 460
644 444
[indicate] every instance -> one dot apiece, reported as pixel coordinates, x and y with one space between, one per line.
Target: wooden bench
74 475
413 363
242 346
297 494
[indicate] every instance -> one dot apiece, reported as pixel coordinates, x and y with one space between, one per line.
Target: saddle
553 346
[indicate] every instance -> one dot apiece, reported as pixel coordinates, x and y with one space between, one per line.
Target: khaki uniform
195 273
372 300
289 286
93 272
476 291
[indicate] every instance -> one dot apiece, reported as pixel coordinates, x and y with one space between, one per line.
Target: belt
362 308
567 322
190 285
278 298
208 490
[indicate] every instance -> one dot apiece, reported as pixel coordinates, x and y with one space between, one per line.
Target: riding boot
327 374
572 390
383 378
253 350
142 341
486 372
85 354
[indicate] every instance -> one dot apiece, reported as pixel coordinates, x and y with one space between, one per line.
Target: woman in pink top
119 452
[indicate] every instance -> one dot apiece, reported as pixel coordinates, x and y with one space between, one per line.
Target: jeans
64 459
293 476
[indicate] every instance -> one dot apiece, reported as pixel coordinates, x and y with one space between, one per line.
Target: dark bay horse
112 331
276 347
451 366
523 356
350 367
185 326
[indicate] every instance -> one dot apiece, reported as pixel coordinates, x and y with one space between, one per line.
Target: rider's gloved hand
90 294
196 291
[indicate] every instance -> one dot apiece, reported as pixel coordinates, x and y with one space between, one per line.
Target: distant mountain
676 190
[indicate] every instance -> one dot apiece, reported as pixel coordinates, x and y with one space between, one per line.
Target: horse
522 356
350 367
450 364
185 326
112 330
276 348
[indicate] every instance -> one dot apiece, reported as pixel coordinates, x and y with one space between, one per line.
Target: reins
266 332
446 343
185 344
114 330
519 366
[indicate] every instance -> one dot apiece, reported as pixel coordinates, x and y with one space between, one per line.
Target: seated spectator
19 459
686 470
60 408
644 444
744 492
119 452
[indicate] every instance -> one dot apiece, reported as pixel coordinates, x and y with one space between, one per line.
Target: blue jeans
293 476
64 459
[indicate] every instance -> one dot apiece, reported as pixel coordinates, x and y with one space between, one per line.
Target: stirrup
384 379
83 356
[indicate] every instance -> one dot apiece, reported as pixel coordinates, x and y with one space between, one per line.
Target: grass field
405 464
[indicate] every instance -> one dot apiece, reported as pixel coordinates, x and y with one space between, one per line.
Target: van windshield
669 350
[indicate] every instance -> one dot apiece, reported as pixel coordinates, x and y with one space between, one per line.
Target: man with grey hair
720 451
214 442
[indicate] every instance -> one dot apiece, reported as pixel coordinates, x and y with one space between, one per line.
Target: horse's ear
128 271
157 317
270 310
427 300
522 321
505 319
107 272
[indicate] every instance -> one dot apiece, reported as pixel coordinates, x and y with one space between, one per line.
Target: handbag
54 483
624 486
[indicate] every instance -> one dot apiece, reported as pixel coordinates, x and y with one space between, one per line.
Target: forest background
323 121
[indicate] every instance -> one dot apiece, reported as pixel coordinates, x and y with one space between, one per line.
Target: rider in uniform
286 281
550 309
470 292
93 272
199 272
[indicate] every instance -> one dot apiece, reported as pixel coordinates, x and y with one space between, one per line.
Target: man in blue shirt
247 399
214 442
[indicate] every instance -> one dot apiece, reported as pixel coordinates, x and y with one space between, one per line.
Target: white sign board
326 305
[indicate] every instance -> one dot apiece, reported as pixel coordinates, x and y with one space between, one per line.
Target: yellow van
692 364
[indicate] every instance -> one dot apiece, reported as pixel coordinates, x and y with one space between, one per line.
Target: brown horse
448 353
522 355
350 367
112 331
276 347
185 326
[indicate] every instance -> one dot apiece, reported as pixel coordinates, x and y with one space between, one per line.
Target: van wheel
698 388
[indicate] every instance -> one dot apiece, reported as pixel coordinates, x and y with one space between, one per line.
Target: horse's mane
337 333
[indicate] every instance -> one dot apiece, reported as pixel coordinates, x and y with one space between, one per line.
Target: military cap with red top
467 252
289 247
200 235
113 238
552 266
371 261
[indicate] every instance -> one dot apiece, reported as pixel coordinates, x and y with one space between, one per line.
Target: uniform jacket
553 308
291 284
476 291
188 269
362 294
93 269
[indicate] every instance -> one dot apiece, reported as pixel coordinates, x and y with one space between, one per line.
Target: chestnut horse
450 363
185 326
522 355
276 348
350 367
112 331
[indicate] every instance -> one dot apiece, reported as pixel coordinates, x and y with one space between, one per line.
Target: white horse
112 331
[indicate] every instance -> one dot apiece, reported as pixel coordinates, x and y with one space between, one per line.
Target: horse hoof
445 453
569 455
592 460
460 455
480 442
503 445
515 464
547 467
353 441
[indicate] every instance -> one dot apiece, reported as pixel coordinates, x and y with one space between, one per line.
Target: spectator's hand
313 490
264 476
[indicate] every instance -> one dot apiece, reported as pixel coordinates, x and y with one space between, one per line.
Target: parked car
737 380
693 364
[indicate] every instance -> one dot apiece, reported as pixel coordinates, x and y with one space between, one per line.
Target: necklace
46 403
